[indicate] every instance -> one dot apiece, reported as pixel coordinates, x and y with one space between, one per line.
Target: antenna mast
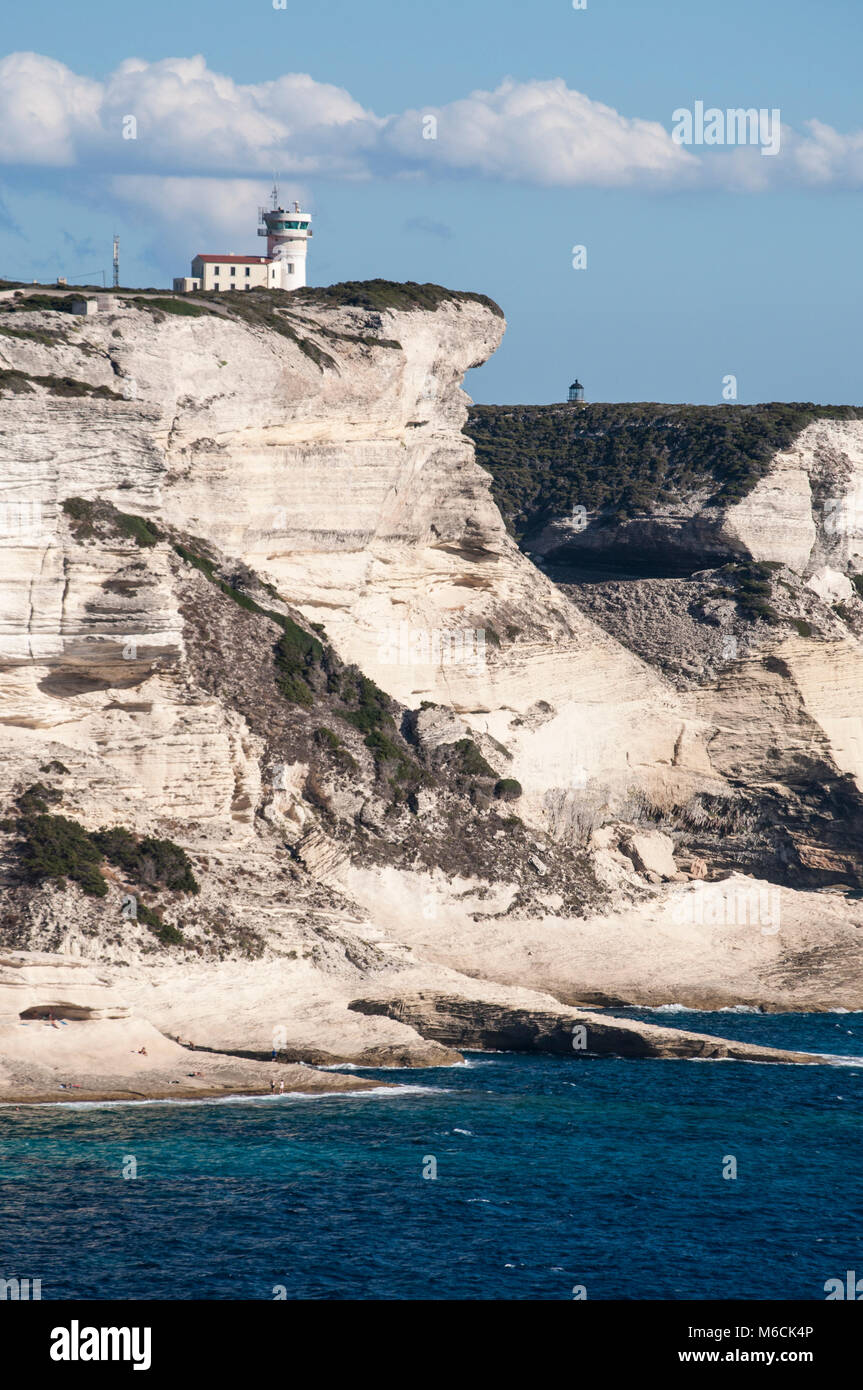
116 261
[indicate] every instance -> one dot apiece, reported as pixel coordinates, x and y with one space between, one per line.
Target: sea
508 1177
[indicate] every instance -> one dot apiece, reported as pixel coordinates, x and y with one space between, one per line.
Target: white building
283 267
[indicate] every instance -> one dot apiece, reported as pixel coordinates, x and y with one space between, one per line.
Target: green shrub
384 750
296 653
36 798
54 847
19 382
206 567
147 860
373 705
170 935
469 759
184 308
507 789
143 533
85 518
325 738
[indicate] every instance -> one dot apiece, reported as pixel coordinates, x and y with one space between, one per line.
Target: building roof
234 260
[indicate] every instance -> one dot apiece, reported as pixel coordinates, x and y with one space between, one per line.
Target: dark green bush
36 799
143 533
297 653
469 759
325 738
507 789
54 847
373 705
147 860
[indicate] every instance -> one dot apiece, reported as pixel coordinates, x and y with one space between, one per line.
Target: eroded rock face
350 488
503 1028
36 985
344 483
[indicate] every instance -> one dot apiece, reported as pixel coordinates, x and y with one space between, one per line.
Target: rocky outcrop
38 985
500 1028
64 1036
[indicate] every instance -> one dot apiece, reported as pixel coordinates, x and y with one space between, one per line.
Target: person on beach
281 1087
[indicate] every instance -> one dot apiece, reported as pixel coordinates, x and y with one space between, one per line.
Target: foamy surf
250 1099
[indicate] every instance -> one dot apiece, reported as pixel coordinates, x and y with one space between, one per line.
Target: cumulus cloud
540 132
190 122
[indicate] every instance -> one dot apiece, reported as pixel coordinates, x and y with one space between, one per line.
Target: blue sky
701 262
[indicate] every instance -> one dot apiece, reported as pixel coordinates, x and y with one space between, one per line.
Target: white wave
251 1099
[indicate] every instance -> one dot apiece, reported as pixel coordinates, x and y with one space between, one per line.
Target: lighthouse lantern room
576 393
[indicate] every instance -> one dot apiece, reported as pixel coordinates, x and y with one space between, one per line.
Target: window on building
248 270
233 270
216 269
291 268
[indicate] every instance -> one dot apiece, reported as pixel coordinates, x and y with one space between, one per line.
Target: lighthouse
576 393
287 236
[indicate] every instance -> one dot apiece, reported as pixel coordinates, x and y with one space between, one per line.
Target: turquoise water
551 1173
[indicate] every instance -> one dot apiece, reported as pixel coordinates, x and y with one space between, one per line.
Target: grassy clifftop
627 459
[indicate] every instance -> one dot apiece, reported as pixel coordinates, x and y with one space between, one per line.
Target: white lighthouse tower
287 236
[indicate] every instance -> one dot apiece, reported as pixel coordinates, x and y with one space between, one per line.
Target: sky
476 145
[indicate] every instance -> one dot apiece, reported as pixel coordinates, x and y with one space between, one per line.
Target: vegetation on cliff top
627 459
389 294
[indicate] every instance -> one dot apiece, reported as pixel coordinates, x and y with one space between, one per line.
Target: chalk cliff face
352 490
177 488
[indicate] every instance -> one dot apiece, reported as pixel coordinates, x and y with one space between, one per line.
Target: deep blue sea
552 1173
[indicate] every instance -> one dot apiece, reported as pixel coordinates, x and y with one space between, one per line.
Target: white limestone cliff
349 487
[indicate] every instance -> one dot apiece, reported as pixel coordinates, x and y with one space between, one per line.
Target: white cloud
195 123
47 113
540 132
